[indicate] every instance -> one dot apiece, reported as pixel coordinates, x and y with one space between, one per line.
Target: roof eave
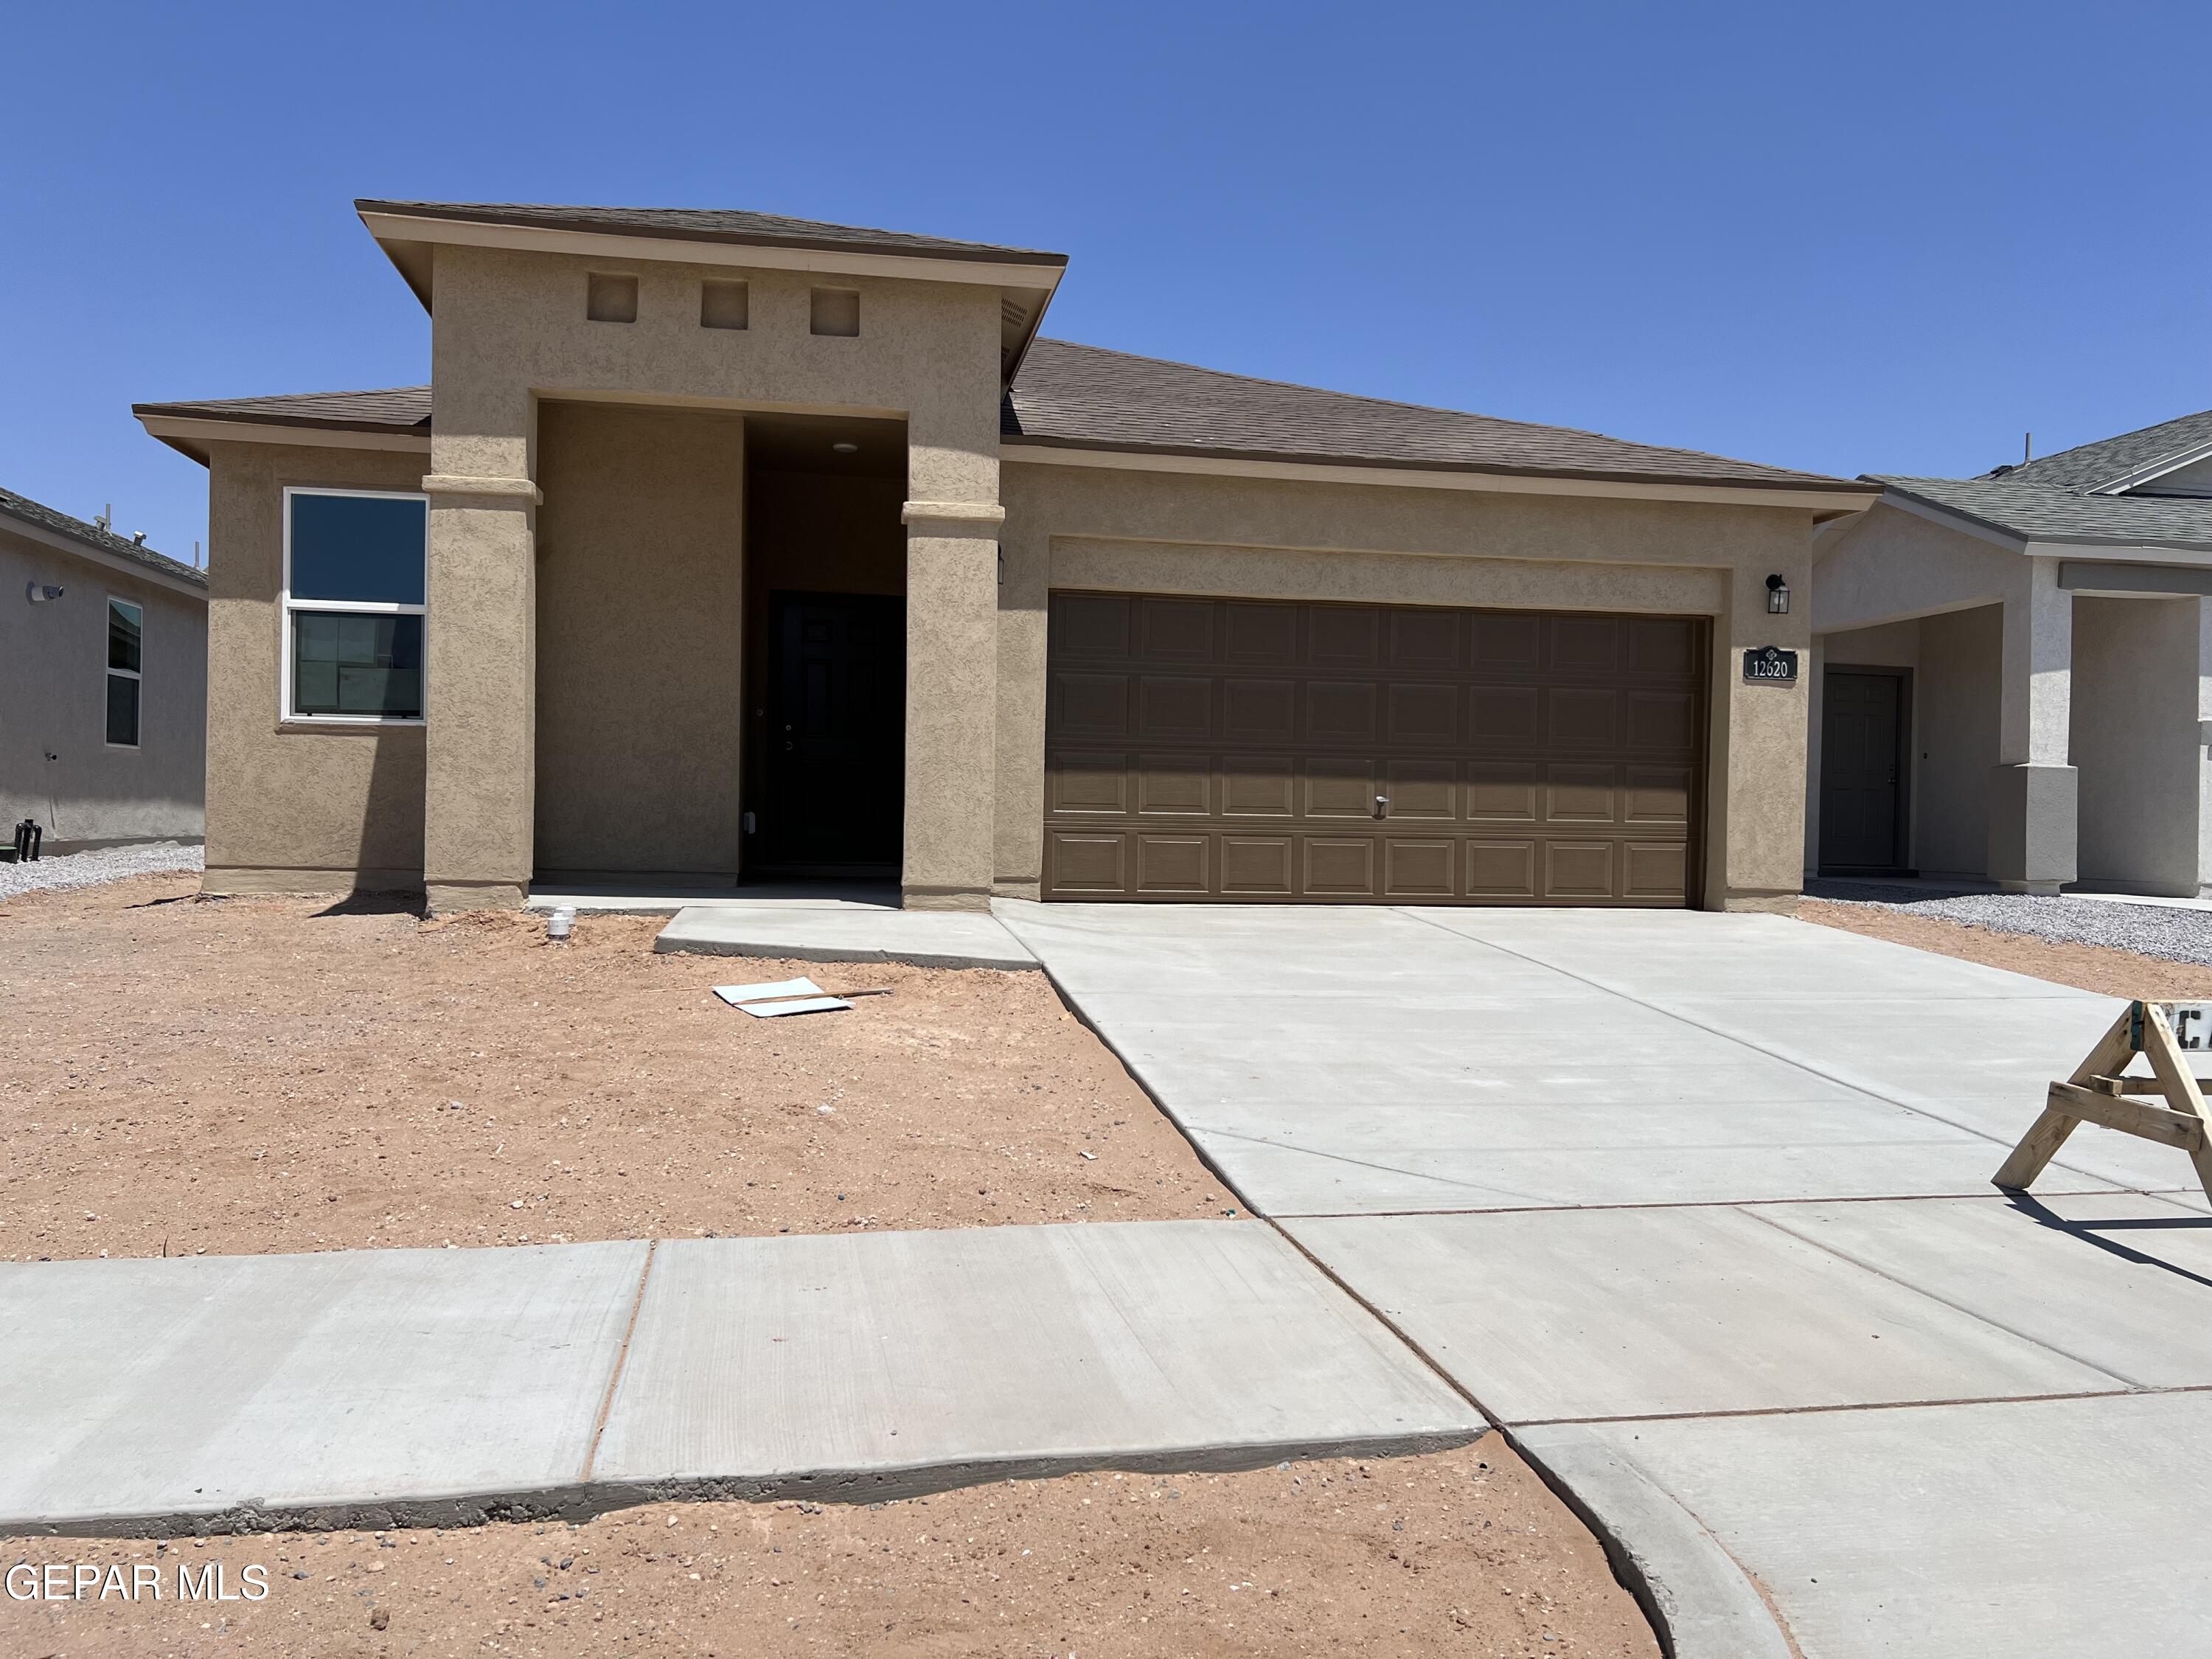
1826 496
188 430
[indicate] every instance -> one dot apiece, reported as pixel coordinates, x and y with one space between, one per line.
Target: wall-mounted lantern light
1778 597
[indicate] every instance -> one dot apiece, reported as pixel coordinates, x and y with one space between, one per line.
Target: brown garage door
1248 752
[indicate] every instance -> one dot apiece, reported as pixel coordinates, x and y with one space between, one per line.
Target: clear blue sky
1864 238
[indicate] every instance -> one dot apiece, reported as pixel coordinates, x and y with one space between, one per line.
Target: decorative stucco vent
610 299
836 311
724 304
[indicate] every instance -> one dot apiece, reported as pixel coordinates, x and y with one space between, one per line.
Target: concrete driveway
1699 1206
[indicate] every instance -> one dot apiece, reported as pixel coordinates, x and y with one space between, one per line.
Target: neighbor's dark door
1863 770
837 734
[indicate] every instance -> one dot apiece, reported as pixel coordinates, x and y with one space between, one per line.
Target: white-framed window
356 574
126 662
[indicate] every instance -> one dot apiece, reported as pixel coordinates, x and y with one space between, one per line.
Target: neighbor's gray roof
714 225
1082 397
27 510
1085 397
2052 499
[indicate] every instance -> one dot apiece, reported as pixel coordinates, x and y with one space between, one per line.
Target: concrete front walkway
1700 1206
375 1386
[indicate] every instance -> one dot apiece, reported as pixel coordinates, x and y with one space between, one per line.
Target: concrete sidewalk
1698 1205
819 929
373 1388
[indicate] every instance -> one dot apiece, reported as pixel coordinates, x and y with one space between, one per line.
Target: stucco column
2033 791
1755 847
951 694
2203 739
479 797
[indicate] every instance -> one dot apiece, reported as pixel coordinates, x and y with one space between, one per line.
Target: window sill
331 723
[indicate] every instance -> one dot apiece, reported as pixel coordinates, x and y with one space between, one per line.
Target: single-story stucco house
103 683
727 545
2014 672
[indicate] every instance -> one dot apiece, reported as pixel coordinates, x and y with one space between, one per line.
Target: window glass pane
123 635
123 709
365 548
347 664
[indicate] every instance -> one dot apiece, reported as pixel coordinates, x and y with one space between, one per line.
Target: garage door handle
1382 806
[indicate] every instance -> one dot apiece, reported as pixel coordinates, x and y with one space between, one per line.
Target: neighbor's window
126 641
356 575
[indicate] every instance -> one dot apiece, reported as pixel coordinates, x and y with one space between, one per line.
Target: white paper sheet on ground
806 1005
783 996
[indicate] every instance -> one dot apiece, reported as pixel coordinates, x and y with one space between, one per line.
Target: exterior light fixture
846 449
1778 597
40 592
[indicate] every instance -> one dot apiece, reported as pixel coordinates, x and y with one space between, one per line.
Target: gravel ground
2148 930
95 868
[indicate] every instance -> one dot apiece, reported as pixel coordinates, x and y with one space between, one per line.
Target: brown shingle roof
1087 397
714 225
401 407
1082 397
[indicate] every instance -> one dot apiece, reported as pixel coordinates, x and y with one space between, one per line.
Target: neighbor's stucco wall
294 807
53 702
641 581
510 329
1956 692
2135 741
1070 527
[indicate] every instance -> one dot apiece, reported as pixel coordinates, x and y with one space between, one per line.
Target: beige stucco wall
1069 526
53 702
640 582
294 807
509 330
2135 737
1958 712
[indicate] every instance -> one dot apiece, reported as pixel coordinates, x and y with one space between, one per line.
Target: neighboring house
743 546
103 682
2013 672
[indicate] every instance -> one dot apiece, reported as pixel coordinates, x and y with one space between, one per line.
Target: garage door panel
1581 718
1094 864
1579 870
1258 711
1178 709
1419 870
1083 781
1503 717
1579 794
1339 867
1262 786
1422 790
1089 708
1424 714
1174 784
1091 625
1255 866
1231 749
1501 791
1501 870
1257 633
1173 864
1176 630
1341 787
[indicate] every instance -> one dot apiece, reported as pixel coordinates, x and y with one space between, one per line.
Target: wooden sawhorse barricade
2167 1034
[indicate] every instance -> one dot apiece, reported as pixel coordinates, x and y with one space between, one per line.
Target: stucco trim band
988 513
456 484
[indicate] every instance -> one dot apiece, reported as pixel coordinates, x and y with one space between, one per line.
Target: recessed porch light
846 449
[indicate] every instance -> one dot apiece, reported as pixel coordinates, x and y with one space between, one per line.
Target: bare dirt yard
258 1074
2089 967
1456 1553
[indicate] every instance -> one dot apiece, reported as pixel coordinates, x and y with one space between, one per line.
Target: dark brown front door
1861 770
1248 752
836 735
